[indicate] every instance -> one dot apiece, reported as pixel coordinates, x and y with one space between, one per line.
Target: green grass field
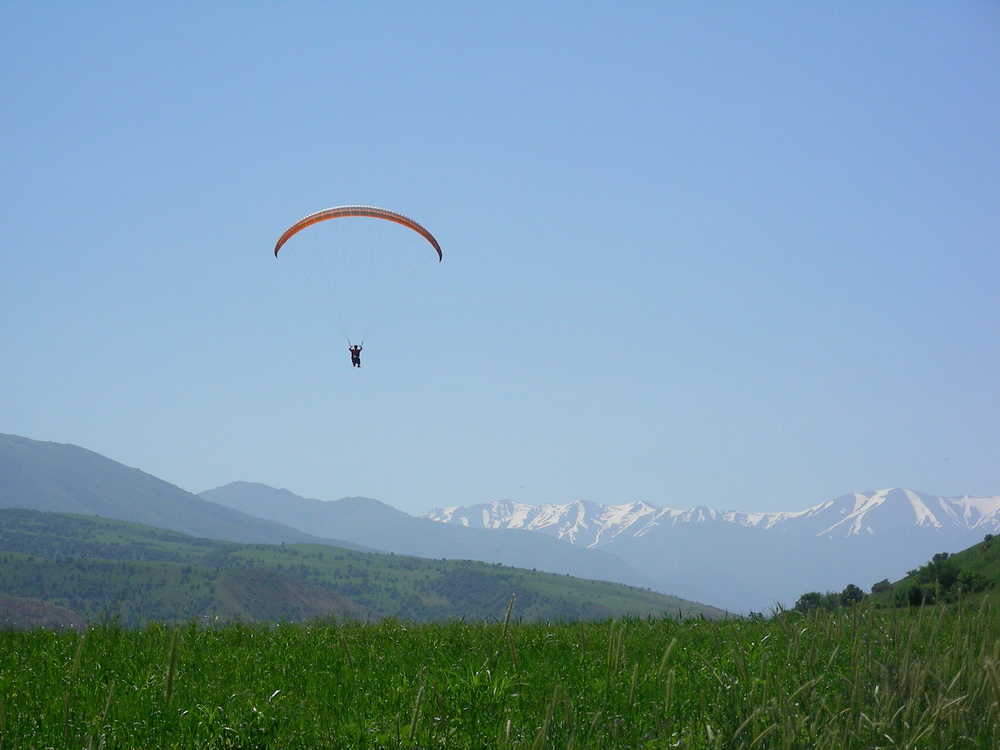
858 678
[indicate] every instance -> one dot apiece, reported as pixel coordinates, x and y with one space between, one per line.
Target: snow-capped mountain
745 560
592 524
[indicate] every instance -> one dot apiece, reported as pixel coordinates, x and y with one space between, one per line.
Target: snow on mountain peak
925 517
860 513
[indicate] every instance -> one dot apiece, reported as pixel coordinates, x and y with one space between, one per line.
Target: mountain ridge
374 524
64 478
742 560
967 512
734 560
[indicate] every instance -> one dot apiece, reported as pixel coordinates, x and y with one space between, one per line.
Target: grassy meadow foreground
857 678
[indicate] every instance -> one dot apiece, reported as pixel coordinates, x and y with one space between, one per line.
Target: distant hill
68 479
17 613
86 568
376 525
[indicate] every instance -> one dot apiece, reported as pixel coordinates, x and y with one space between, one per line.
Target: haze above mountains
736 560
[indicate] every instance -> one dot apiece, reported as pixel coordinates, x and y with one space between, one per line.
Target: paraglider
343 211
357 277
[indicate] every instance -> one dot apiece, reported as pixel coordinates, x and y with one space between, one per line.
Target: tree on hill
940 580
881 586
851 595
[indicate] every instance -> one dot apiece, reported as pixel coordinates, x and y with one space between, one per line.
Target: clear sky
745 255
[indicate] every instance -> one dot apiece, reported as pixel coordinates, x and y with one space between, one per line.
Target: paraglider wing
369 211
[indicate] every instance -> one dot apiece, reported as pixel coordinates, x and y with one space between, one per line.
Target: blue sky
742 255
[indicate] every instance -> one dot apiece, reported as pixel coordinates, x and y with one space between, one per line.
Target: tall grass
860 678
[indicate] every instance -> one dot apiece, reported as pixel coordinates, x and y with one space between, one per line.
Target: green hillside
970 575
104 569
